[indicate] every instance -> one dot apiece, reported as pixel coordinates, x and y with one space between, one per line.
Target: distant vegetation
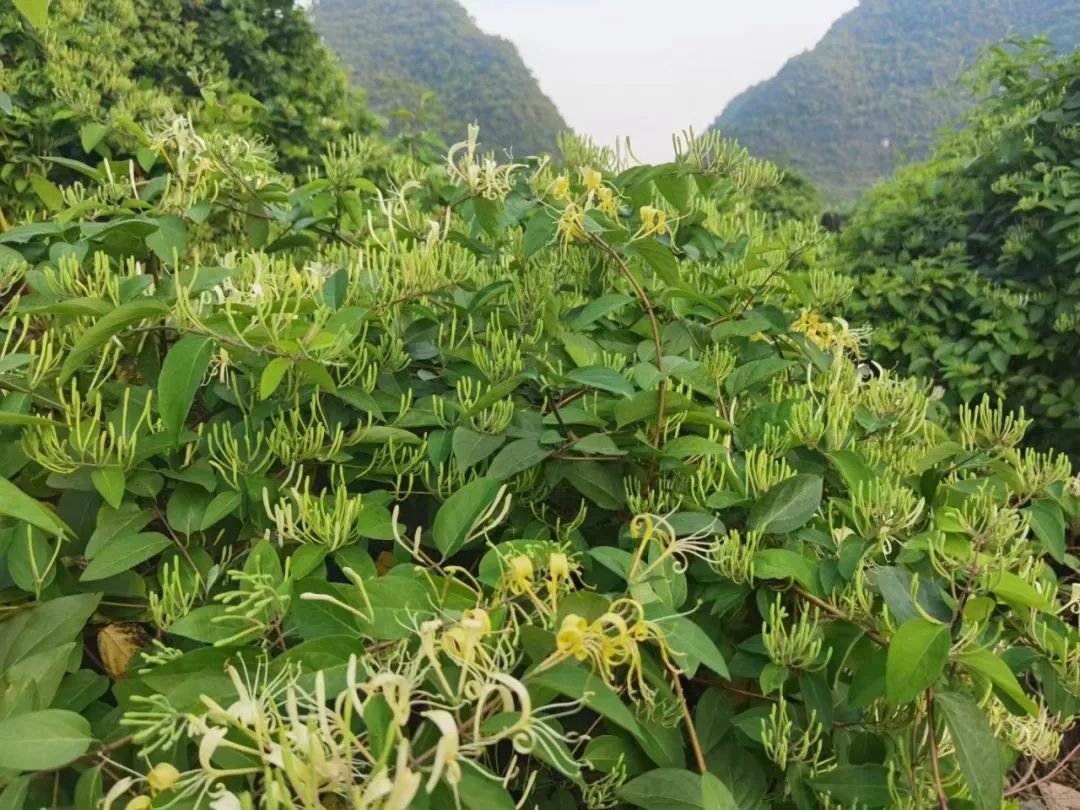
108 66
428 59
968 265
880 84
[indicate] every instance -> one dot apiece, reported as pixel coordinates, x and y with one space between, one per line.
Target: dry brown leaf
117 643
1059 797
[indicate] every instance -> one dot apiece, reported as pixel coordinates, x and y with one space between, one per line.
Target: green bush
505 485
78 78
400 482
968 266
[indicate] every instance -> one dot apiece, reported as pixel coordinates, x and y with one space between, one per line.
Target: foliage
403 52
510 484
969 265
404 482
81 83
880 84
793 197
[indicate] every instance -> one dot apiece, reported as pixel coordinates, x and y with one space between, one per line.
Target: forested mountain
880 83
428 58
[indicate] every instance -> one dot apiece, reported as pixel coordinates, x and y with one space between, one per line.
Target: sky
649 68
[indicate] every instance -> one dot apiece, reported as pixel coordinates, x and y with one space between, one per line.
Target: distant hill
880 83
403 51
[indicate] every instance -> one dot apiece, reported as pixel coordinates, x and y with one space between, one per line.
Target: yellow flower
607 202
520 575
571 225
653 221
478 619
593 179
559 566
138 803
162 777
570 639
561 188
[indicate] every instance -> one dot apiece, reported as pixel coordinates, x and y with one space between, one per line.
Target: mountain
880 84
409 54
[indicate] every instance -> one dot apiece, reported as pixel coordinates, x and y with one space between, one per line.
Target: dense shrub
969 265
412 483
76 77
510 484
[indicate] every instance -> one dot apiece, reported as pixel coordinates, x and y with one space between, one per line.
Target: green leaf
124 553
539 232
643 406
659 258
479 790
600 307
787 506
715 794
471 447
598 444
170 239
917 655
47 192
223 505
864 785
109 481
43 740
600 483
688 446
181 375
602 378
996 671
754 373
1015 590
517 456
272 376
459 513
91 135
576 683
691 645
89 790
782 563
318 374
976 748
44 626
1048 523
17 504
35 11
13 796
664 789
107 326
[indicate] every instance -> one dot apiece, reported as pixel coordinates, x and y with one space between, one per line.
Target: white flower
116 791
210 742
446 750
406 782
226 800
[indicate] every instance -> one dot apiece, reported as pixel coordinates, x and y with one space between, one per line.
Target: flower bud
162 777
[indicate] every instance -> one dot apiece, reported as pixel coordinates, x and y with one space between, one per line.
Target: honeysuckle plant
535 484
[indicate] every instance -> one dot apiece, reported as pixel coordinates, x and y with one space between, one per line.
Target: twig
695 744
838 614
654 324
1015 789
943 799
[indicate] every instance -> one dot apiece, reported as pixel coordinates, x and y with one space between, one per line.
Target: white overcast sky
648 68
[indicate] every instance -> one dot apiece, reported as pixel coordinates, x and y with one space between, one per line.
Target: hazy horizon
615 68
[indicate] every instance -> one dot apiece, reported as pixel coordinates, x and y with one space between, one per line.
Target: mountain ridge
880 84
431 56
